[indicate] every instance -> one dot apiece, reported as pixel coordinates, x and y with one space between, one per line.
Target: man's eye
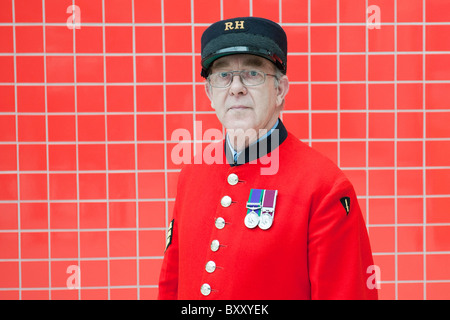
223 74
253 73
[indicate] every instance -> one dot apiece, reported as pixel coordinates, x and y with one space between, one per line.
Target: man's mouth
238 107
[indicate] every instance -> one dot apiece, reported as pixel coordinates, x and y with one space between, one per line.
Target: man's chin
238 122
238 127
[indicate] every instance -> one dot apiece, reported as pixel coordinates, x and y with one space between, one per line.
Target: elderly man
241 233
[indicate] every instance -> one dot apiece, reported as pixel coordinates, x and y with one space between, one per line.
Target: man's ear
282 90
208 90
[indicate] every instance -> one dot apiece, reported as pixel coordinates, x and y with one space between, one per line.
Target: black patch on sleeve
169 235
346 204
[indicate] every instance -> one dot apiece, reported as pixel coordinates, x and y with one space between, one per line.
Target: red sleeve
338 247
168 279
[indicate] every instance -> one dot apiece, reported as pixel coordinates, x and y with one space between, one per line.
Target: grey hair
278 75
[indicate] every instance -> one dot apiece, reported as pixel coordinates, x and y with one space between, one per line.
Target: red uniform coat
315 249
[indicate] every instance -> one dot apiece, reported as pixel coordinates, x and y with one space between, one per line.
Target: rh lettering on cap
237 25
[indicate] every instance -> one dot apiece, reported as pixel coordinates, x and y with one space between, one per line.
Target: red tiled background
86 117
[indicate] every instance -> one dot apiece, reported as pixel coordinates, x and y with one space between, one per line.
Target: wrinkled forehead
243 61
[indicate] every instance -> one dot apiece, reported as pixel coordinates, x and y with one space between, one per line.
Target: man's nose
237 87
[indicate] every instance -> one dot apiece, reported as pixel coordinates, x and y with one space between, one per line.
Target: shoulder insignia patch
169 235
346 204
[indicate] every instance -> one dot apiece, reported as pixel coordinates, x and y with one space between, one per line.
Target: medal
253 208
251 220
268 209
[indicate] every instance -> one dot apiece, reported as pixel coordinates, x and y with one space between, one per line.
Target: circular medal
251 220
265 221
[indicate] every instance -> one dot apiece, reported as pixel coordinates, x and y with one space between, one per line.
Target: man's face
247 107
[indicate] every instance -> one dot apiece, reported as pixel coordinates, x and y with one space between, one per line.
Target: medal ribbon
269 201
255 201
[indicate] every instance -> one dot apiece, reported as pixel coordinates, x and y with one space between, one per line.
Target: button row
225 202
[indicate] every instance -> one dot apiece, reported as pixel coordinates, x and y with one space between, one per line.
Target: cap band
243 49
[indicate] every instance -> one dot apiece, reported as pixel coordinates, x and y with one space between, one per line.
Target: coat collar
258 149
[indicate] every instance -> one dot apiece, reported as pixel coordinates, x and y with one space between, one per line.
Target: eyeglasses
248 78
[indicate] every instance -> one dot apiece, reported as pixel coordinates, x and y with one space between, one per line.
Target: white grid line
136 175
338 79
424 134
166 188
318 111
366 30
76 153
195 54
395 157
280 12
106 150
47 150
201 24
74 172
16 118
113 84
309 77
56 230
194 100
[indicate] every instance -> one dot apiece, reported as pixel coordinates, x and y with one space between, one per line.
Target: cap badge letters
260 208
236 25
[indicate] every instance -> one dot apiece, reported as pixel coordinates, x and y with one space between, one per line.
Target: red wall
86 116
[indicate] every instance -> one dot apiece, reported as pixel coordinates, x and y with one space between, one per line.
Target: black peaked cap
251 35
